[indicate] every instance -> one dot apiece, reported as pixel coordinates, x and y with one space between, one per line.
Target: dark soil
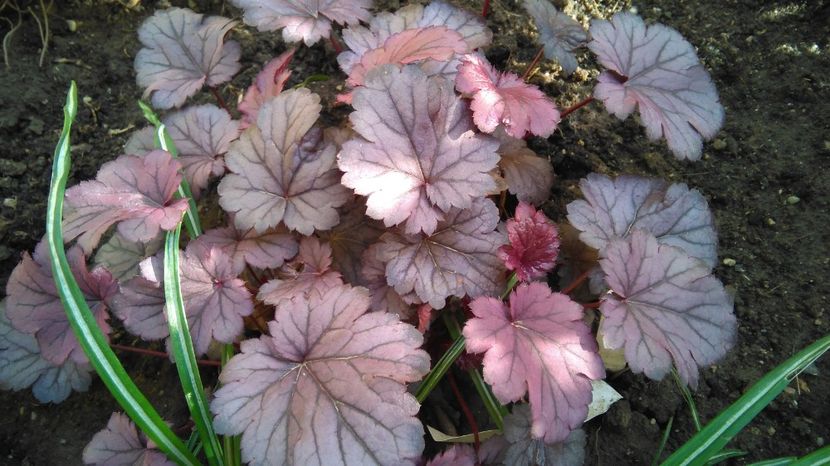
770 62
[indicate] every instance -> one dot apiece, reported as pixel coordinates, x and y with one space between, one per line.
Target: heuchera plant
339 245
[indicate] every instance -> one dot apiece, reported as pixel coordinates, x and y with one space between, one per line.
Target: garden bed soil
765 176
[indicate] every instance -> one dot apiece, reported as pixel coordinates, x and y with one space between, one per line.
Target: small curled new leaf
666 308
654 68
120 444
269 83
534 243
326 387
558 33
182 52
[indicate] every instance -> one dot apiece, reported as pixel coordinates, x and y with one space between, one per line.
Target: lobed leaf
417 157
281 174
534 243
504 99
120 444
384 297
665 306
525 450
455 455
306 20
182 52
121 257
327 387
676 215
654 68
267 250
540 346
458 259
528 176
140 302
558 33
269 83
350 239
135 192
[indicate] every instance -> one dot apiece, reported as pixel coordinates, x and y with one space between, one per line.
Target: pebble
72 25
791 200
770 222
729 262
719 144
10 202
33 415
820 441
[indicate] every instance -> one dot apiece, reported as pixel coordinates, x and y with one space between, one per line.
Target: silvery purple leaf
182 52
665 307
537 345
202 135
280 174
528 176
306 20
21 366
141 141
327 387
309 272
269 83
525 450
455 455
350 238
558 33
459 259
676 215
121 257
267 250
140 302
655 68
134 191
418 156
33 305
384 297
120 444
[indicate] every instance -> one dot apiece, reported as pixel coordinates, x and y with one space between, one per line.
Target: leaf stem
529 70
219 99
161 354
466 410
576 107
335 42
485 10
576 282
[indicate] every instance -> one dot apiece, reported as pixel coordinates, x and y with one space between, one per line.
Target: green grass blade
725 455
231 443
690 400
783 461
80 317
663 440
728 423
819 457
440 369
182 346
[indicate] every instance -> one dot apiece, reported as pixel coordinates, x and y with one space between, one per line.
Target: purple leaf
350 238
202 135
528 176
665 306
384 297
278 175
306 20
34 307
559 33
525 450
327 387
676 215
655 68
458 259
21 366
215 299
534 244
140 302
418 157
135 192
504 99
267 250
269 83
120 444
537 345
456 455
310 271
141 141
182 52
121 257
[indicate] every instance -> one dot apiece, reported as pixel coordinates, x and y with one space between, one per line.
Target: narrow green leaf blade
819 457
182 346
711 440
91 338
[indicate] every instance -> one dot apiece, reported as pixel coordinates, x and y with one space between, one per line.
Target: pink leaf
215 299
459 259
534 243
182 52
327 387
525 450
417 158
267 250
135 192
528 176
558 33
202 135
22 366
269 83
140 302
666 307
306 20
655 68
384 297
278 175
539 345
456 455
676 215
310 271
34 306
409 46
120 444
350 238
504 99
